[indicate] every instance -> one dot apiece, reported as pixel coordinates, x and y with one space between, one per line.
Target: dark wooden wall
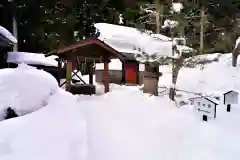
6 22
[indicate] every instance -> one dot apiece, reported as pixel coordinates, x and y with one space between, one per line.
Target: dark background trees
44 25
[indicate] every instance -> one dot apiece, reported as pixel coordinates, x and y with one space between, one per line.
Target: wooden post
90 69
123 73
105 75
137 70
229 108
69 73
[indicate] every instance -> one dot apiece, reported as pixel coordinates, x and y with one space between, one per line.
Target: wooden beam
76 74
89 42
105 76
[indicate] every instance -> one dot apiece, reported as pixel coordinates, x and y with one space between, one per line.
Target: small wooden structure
207 106
151 78
230 97
90 51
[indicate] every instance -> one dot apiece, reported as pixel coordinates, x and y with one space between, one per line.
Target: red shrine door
131 73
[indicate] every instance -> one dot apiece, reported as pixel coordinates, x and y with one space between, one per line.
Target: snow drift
57 131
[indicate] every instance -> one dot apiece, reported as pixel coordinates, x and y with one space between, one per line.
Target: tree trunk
234 59
177 63
157 16
202 15
235 54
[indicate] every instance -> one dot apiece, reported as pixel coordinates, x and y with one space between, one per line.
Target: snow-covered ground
126 124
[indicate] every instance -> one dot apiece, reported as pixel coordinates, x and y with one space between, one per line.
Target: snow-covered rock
25 89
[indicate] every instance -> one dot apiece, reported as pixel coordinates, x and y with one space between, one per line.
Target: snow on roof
121 45
211 99
230 92
31 58
7 34
133 40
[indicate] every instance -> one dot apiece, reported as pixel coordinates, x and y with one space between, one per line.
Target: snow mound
55 132
7 35
25 89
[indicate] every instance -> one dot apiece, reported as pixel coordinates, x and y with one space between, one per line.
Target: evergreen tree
85 19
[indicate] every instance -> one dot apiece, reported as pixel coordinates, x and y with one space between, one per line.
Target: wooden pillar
69 73
123 73
90 69
105 76
137 70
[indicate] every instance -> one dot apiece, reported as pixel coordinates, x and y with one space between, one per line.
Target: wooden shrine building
90 51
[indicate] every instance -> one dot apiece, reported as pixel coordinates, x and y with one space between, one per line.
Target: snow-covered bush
25 89
201 60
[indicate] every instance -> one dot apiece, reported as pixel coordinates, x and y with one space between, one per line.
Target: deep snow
127 124
24 89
